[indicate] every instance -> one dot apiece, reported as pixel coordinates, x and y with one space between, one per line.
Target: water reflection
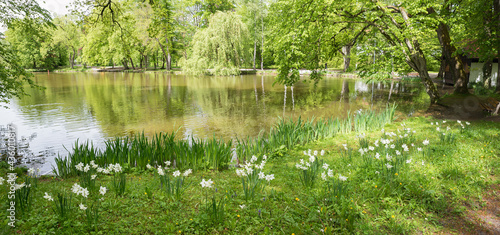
96 106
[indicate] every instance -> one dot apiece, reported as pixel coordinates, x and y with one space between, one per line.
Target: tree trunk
166 54
456 65
132 63
487 67
417 61
262 45
441 69
497 90
346 50
254 53
169 58
125 65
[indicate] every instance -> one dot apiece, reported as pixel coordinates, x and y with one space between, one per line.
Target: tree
162 27
68 34
304 32
220 48
481 38
253 13
12 75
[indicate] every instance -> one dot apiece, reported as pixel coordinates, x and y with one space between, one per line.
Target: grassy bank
214 153
404 179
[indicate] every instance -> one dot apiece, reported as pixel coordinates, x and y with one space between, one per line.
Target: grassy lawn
404 187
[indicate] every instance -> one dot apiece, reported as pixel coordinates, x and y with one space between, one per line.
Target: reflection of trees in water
23 154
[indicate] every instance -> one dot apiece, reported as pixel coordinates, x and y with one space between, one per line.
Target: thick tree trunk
346 50
125 65
132 63
418 62
456 65
487 69
166 54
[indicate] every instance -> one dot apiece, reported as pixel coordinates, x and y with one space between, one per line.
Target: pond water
97 106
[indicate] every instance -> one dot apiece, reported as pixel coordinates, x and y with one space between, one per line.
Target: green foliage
219 49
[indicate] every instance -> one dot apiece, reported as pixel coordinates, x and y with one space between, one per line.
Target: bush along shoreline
349 176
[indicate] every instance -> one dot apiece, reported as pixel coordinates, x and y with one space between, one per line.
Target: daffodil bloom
48 197
82 207
102 190
176 173
187 172
342 178
269 177
206 183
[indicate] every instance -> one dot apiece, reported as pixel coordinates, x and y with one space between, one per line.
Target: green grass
413 201
214 153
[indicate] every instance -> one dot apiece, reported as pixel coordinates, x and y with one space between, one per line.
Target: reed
215 153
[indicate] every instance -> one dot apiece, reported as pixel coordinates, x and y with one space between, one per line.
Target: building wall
476 73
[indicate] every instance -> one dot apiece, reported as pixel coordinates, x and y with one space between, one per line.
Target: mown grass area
364 192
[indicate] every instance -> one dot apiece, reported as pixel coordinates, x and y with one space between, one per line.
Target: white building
476 73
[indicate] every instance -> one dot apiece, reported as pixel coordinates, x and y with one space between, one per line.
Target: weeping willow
219 49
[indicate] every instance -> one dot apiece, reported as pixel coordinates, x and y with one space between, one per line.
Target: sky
53 6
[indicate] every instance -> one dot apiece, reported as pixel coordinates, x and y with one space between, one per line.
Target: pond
97 106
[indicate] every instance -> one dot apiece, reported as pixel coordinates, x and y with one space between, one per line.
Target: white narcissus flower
187 172
93 165
371 148
253 159
315 152
86 168
261 175
176 173
102 190
325 166
1 180
389 166
425 142
419 149
79 166
48 197
206 183
160 171
241 172
31 171
93 177
322 152
269 177
167 163
148 166
82 207
242 206
323 175
388 157
330 173
408 161
342 178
